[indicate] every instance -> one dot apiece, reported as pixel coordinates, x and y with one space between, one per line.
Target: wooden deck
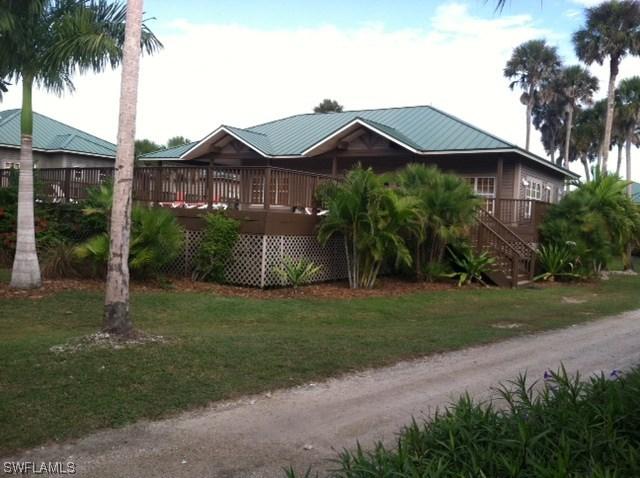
256 195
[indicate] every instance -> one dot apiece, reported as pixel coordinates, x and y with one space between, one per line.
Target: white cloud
587 3
212 74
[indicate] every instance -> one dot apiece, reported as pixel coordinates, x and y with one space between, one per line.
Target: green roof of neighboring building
424 129
635 192
52 135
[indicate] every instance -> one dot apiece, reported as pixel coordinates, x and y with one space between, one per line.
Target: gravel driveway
258 436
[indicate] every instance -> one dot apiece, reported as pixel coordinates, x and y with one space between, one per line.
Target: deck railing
517 212
192 186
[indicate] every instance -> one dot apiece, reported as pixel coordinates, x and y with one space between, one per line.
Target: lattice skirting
255 257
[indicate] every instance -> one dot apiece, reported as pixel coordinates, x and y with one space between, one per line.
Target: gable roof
422 130
50 135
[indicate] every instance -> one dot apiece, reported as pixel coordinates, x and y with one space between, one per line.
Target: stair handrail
516 260
504 228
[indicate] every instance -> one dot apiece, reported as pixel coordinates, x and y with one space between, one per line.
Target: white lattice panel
255 257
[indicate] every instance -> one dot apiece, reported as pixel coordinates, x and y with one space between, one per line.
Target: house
266 177
271 168
55 144
385 139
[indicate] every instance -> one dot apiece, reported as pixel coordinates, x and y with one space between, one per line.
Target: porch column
334 165
499 183
267 187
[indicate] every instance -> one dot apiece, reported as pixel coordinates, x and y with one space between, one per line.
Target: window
484 187
12 165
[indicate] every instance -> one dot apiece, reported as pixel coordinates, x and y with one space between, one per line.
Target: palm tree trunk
25 273
529 110
619 163
116 308
567 139
585 163
628 164
608 125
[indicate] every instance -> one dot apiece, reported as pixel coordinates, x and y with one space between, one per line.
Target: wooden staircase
514 257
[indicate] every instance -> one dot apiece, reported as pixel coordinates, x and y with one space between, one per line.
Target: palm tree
372 221
43 43
447 207
116 305
577 86
548 117
611 32
587 138
629 117
531 65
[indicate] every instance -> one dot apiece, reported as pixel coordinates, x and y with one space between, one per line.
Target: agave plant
297 272
557 261
470 266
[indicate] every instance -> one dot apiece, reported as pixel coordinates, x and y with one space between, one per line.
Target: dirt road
258 436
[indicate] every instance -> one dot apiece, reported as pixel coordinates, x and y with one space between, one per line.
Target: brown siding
530 171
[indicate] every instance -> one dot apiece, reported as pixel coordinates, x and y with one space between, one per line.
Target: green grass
225 347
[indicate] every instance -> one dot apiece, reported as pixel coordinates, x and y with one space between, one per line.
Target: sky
244 63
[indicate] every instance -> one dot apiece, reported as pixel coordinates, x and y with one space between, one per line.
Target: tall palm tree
116 306
577 86
612 32
43 43
531 65
548 117
629 114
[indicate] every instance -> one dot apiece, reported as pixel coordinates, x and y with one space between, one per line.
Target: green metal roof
170 153
52 135
635 192
424 129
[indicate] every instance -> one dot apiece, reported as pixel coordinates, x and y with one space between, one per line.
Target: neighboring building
55 144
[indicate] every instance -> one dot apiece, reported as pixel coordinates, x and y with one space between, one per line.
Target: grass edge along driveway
224 347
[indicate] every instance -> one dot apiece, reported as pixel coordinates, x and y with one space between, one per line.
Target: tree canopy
328 106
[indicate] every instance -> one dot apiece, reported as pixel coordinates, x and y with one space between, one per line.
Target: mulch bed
385 287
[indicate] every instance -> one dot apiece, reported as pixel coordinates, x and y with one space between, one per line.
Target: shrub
59 261
220 235
372 220
570 428
447 206
470 267
598 217
296 272
156 240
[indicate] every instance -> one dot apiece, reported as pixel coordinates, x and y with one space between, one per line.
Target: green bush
570 428
297 272
598 217
156 240
220 235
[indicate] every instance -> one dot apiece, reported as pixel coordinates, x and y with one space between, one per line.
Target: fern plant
297 272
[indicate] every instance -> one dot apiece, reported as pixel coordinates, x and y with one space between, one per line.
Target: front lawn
223 347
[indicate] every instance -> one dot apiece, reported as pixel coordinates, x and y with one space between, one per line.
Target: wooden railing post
157 185
267 187
66 188
514 272
209 186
